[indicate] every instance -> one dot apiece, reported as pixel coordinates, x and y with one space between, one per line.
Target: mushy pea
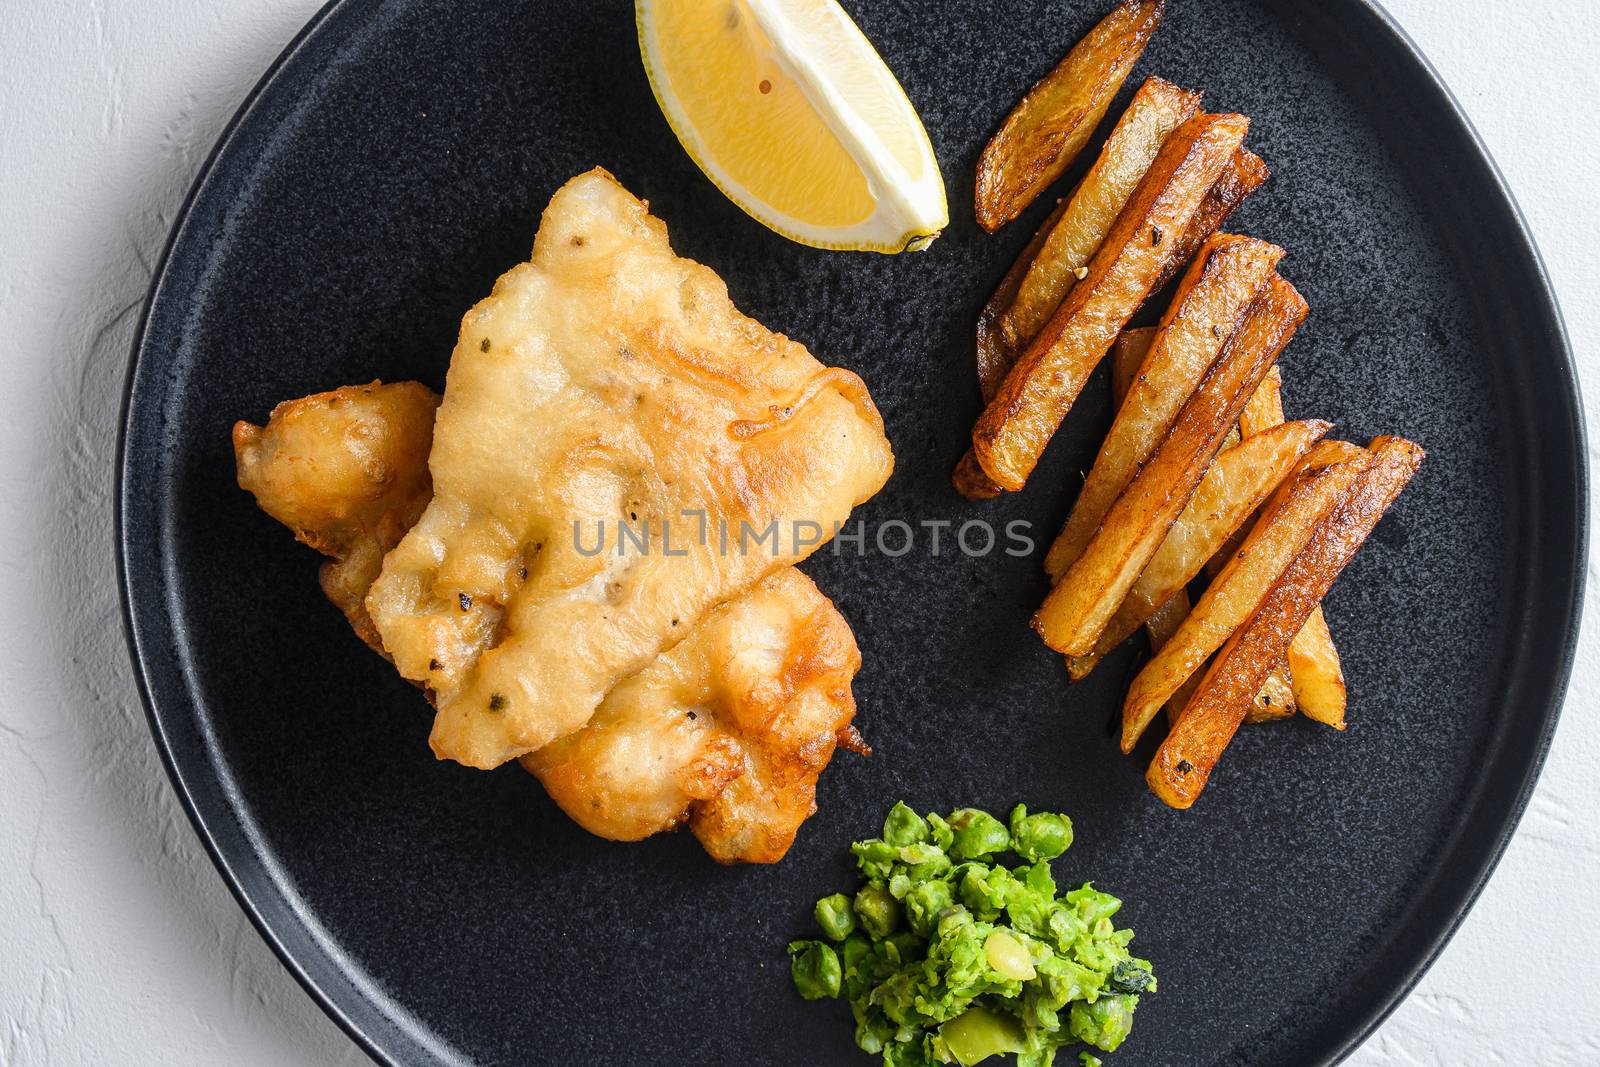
947 955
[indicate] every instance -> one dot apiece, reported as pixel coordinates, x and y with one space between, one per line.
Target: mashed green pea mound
947 955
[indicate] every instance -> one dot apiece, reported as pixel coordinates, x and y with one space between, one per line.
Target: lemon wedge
787 107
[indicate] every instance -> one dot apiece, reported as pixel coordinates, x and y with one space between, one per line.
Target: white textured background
119 943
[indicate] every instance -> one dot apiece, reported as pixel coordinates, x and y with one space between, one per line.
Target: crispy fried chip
1082 603
1217 291
995 354
1185 760
1228 601
1238 481
606 382
1050 125
1048 268
1038 391
1317 673
1245 173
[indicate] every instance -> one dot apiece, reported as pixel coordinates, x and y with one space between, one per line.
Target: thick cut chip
1050 125
1215 295
1081 604
1317 672
1049 267
1187 756
1245 173
970 480
347 471
995 355
1018 423
728 730
1127 357
1329 451
1238 481
1284 525
1265 409
1273 701
1318 675
604 394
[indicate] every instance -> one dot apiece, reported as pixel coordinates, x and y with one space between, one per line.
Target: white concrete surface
119 943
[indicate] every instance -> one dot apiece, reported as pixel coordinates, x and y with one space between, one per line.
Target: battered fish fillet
606 381
729 730
347 471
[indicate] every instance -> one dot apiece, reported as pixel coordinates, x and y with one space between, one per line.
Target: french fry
995 353
1237 483
1167 618
1076 230
1281 531
1317 673
1274 700
1343 449
1047 129
970 481
1318 676
1265 409
1187 756
1211 301
1013 430
1177 702
1127 356
1081 605
1246 173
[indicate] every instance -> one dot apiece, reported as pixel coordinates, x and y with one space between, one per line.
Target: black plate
392 165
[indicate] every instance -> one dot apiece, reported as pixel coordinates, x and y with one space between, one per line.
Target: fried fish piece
608 381
347 471
727 731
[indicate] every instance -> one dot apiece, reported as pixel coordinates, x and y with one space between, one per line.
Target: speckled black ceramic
393 164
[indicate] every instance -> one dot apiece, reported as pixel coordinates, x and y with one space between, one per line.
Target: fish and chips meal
1200 479
661 677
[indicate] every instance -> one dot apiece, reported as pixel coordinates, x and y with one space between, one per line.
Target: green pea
924 861
878 911
835 916
976 834
904 826
1039 837
1104 1023
875 857
925 903
978 1033
815 969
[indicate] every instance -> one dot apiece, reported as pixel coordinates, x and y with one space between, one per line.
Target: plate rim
357 1020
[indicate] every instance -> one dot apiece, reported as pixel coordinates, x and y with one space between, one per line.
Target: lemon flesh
788 109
